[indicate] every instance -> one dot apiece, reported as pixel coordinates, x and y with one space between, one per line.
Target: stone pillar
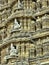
38 47
32 53
22 50
29 26
44 24
27 50
36 52
39 50
25 24
21 24
30 4
47 22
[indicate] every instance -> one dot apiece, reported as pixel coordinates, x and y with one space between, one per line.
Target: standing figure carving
13 51
16 25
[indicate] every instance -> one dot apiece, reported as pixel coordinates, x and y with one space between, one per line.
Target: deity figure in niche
16 25
20 4
13 51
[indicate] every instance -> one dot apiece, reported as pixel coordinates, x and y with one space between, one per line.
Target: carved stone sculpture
23 23
19 4
13 51
16 25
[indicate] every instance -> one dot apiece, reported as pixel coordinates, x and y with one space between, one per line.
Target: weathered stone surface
24 32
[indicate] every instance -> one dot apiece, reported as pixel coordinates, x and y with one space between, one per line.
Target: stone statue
19 4
16 25
13 51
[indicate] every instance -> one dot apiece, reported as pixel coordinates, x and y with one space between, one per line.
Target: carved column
29 26
44 22
47 22
24 4
38 51
22 50
32 52
30 4
27 49
25 24
21 24
38 47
